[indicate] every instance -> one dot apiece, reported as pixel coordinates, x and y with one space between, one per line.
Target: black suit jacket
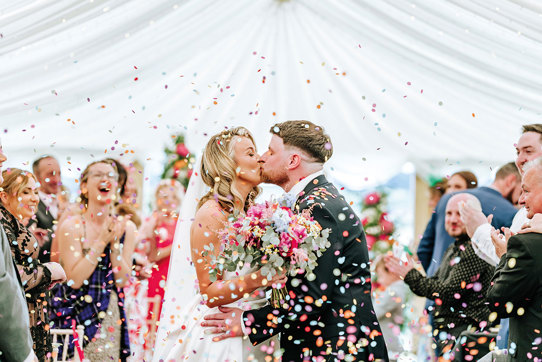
516 292
333 312
44 220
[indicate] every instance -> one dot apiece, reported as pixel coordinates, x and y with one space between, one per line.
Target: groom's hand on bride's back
226 324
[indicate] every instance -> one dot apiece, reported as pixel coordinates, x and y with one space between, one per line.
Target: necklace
93 226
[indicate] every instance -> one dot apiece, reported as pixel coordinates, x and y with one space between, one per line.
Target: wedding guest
96 252
47 172
461 180
459 284
15 338
528 148
388 301
168 196
18 202
516 288
67 210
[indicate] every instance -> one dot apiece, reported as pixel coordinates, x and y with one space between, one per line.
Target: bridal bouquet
271 237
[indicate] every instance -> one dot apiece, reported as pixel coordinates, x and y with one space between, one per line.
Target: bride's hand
279 280
258 280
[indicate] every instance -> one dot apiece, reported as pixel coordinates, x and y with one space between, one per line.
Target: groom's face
274 162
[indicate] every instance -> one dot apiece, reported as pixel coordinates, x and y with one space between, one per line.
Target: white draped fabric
430 82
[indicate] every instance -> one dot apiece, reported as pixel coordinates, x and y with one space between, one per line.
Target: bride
230 168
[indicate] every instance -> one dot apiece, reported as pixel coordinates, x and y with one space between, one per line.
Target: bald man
459 285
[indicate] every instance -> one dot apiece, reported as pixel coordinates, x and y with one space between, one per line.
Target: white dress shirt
481 240
301 184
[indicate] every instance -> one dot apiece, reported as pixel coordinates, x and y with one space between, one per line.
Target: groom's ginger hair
306 136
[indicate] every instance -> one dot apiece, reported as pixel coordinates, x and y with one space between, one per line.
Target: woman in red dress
163 221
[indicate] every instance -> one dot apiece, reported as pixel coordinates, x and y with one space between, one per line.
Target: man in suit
47 171
15 339
329 314
516 290
528 148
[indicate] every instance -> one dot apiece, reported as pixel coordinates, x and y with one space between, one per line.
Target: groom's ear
294 161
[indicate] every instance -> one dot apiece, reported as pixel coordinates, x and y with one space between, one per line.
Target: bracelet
86 251
90 261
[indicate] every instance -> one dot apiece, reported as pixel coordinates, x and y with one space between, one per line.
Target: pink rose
385 225
372 199
182 150
370 241
299 256
300 233
287 243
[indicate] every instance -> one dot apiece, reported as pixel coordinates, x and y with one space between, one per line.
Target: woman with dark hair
96 251
461 180
18 203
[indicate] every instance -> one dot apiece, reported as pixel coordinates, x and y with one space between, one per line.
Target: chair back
61 337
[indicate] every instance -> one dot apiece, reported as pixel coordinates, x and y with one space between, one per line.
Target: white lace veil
181 281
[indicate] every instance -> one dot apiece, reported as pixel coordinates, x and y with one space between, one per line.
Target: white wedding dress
180 336
190 342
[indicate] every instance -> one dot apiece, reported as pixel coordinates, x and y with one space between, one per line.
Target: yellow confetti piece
512 263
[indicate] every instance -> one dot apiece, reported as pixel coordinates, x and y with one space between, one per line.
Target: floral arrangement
271 237
378 227
179 164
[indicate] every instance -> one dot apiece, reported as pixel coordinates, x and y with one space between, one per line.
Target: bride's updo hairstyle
218 171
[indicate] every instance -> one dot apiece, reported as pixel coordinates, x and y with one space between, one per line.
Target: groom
330 316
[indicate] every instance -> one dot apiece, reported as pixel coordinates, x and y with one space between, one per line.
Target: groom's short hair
307 137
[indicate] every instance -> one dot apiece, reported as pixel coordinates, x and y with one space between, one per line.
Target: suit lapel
319 181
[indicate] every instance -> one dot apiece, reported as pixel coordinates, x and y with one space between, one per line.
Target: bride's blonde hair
218 171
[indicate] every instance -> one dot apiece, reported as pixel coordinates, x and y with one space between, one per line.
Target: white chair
61 337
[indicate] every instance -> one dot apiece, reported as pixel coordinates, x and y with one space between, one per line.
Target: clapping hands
112 231
472 217
399 267
500 241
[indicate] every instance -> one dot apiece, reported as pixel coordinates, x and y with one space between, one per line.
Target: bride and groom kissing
325 317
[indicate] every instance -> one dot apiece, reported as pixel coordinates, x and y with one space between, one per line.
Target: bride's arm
210 219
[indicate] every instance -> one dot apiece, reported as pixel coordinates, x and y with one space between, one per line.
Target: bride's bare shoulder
210 213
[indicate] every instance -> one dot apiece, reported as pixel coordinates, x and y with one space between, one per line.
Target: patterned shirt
88 305
458 287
